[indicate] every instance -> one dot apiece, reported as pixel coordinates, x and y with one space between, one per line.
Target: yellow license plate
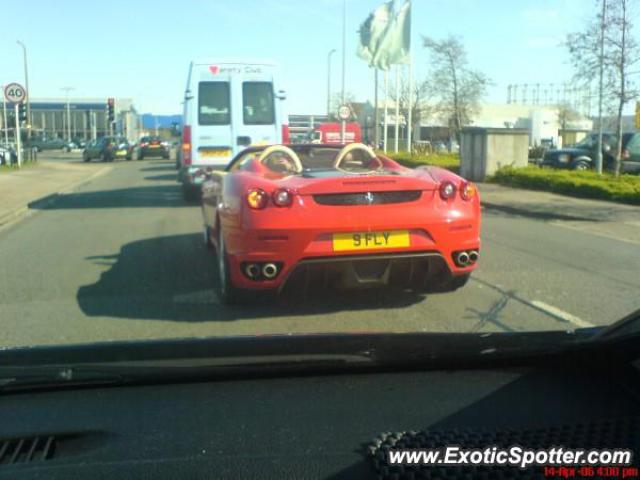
370 240
215 153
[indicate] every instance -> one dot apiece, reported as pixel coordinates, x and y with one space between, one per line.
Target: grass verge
625 189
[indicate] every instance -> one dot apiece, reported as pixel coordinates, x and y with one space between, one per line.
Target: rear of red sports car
417 228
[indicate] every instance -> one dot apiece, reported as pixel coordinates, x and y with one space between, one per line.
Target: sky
141 49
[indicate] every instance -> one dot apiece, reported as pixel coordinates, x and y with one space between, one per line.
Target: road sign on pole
15 93
18 134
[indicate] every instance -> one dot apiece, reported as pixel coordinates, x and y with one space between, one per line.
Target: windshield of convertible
233 168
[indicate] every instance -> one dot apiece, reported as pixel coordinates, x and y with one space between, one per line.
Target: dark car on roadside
40 144
74 144
108 149
152 146
582 155
630 153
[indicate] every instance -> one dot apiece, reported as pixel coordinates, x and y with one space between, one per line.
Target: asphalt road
122 258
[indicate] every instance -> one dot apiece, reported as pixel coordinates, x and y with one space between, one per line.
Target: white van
228 106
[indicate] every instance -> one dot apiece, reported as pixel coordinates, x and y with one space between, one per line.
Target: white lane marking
556 312
201 297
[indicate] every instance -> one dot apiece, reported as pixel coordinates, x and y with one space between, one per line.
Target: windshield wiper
626 326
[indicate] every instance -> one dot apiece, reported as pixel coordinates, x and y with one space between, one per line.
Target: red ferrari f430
340 216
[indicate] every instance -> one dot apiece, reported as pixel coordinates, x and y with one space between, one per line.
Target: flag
373 30
394 47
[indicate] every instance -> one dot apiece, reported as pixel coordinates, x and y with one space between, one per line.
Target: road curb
39 203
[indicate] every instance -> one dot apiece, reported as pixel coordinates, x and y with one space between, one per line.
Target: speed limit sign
15 93
344 112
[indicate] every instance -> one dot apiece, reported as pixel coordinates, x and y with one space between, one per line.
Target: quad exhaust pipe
466 258
462 258
252 270
269 270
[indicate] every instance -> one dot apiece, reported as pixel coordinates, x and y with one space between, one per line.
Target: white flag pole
386 109
410 115
397 107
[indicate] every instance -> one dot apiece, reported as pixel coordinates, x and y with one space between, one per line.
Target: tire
206 231
190 194
227 293
140 156
582 165
85 157
450 284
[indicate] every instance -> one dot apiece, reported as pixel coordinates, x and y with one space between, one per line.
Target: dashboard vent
27 449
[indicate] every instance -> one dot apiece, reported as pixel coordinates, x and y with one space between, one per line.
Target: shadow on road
543 211
160 167
173 278
161 196
165 177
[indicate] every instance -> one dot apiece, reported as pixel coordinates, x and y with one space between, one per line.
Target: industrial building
83 118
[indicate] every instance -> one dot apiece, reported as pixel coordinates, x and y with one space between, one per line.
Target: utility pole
331 52
601 88
67 90
344 65
26 84
4 123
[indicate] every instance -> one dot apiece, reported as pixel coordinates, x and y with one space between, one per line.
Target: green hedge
450 161
587 184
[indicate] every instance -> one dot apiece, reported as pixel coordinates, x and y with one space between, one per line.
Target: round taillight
447 190
282 197
257 198
467 191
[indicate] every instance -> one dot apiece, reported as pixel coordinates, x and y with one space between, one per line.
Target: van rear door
211 139
256 122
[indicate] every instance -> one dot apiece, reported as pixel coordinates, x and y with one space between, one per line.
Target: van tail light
625 154
285 133
447 190
186 145
257 198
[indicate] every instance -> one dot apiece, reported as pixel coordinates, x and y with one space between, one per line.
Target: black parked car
582 155
40 144
152 147
107 149
630 153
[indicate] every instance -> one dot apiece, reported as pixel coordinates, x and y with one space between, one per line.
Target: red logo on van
214 69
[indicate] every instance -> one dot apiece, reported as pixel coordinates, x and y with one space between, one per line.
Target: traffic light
22 112
110 109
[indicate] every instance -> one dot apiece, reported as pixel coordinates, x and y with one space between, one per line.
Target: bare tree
457 87
336 102
624 55
566 114
418 102
607 42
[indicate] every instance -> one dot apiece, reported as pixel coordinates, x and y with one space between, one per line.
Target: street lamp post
344 64
333 50
67 90
4 123
26 83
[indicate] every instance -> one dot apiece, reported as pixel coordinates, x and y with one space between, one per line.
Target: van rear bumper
194 175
